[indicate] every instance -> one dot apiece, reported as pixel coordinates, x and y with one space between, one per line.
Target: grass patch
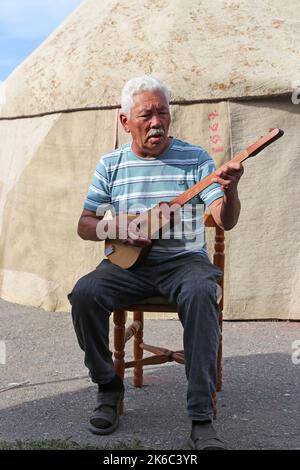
67 445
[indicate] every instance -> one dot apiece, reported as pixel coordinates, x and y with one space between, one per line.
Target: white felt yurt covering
230 66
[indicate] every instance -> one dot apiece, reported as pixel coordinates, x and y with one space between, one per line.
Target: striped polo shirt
133 184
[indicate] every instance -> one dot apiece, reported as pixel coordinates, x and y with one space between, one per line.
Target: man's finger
226 180
230 168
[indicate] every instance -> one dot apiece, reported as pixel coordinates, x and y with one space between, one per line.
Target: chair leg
119 319
137 350
220 372
214 402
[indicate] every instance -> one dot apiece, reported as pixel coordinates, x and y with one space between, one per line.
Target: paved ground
257 409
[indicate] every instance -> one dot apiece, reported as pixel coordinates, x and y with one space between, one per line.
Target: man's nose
155 121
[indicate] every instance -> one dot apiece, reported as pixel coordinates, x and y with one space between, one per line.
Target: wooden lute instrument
127 256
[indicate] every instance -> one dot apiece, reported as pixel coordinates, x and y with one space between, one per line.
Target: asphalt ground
258 407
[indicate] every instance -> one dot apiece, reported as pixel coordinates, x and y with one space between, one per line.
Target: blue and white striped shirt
130 183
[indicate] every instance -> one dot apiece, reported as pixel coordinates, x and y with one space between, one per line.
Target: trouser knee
85 297
203 293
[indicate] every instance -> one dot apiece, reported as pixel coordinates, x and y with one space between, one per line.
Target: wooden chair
135 330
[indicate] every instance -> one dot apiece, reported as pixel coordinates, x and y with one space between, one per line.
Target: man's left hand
228 176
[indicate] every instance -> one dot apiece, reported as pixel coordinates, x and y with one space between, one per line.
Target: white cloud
33 18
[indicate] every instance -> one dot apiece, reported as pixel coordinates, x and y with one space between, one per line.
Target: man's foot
105 417
204 437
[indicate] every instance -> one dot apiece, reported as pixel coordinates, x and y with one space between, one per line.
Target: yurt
232 68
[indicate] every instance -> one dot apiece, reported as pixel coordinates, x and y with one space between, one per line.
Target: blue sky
24 24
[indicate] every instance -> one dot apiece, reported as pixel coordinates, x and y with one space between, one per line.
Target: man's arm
87 225
226 210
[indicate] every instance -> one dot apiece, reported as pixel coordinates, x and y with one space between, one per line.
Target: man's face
148 123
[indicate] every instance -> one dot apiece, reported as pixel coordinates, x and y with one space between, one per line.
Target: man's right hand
123 227
129 231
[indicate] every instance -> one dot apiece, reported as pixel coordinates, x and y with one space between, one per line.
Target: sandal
204 437
105 417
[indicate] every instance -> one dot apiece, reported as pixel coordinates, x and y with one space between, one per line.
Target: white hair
135 85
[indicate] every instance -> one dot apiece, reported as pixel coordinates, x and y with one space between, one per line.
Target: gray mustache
155 133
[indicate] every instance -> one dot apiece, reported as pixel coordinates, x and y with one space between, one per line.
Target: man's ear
124 122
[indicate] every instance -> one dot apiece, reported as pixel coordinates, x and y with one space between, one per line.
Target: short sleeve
213 191
99 192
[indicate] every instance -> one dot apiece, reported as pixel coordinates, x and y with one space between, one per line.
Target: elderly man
154 167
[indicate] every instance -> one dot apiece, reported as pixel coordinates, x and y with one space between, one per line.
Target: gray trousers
189 282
